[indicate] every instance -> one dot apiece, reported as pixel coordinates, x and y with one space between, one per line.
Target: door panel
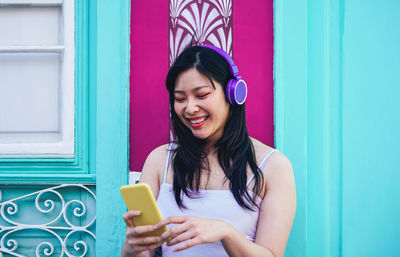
336 81
371 125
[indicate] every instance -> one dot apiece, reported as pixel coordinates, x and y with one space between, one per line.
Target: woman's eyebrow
198 88
193 90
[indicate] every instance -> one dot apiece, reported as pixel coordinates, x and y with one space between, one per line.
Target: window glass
30 26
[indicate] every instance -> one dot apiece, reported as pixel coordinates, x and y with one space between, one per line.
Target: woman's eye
203 95
179 100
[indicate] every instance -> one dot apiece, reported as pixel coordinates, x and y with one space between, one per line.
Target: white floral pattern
175 9
202 21
225 8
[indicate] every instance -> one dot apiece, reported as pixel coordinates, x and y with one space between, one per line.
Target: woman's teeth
197 121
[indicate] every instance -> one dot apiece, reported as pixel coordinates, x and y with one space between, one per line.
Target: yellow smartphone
140 197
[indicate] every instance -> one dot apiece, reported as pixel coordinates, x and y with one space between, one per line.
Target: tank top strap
262 164
172 146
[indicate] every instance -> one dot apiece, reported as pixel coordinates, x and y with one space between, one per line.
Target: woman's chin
200 136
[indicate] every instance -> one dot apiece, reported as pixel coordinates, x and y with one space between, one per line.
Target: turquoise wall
337 66
371 128
111 28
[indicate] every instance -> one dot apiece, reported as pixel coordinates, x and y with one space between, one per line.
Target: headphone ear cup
236 91
230 92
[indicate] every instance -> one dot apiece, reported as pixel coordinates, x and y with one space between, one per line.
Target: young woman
222 192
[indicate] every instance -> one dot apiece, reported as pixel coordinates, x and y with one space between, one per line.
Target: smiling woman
219 189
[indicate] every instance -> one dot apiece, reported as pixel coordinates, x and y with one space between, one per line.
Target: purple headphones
236 89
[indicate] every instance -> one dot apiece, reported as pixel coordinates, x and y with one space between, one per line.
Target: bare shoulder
155 163
159 153
277 166
260 149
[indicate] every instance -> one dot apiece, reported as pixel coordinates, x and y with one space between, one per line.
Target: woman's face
199 106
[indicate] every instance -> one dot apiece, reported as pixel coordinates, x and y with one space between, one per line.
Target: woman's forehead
192 79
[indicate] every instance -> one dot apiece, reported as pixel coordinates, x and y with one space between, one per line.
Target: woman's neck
210 148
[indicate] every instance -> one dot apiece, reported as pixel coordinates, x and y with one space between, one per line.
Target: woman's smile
197 121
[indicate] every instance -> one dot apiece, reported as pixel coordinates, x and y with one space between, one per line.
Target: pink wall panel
253 40
253 53
149 67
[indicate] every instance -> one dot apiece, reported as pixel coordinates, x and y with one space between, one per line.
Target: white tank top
214 204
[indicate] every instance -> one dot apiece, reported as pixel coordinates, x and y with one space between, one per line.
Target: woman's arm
135 245
236 244
278 206
276 214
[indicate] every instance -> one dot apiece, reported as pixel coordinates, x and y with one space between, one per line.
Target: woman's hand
193 231
134 235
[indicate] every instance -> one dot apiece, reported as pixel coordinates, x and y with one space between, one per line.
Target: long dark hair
234 148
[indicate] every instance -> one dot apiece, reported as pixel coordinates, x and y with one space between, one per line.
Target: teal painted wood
84 93
47 178
371 125
29 170
324 137
336 102
290 90
308 118
112 117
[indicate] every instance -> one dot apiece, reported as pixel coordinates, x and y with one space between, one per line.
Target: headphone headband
236 89
232 66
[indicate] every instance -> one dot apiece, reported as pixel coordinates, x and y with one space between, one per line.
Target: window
37 63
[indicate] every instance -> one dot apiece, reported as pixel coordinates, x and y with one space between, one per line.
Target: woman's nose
192 107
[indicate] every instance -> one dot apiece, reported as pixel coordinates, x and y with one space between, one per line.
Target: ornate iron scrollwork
57 218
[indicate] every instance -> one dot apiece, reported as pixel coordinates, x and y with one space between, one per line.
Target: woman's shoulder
159 154
260 149
162 149
276 160
154 165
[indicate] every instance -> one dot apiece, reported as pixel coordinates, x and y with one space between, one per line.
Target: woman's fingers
175 230
171 220
128 217
144 241
140 248
188 244
190 231
135 234
181 237
137 231
139 243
